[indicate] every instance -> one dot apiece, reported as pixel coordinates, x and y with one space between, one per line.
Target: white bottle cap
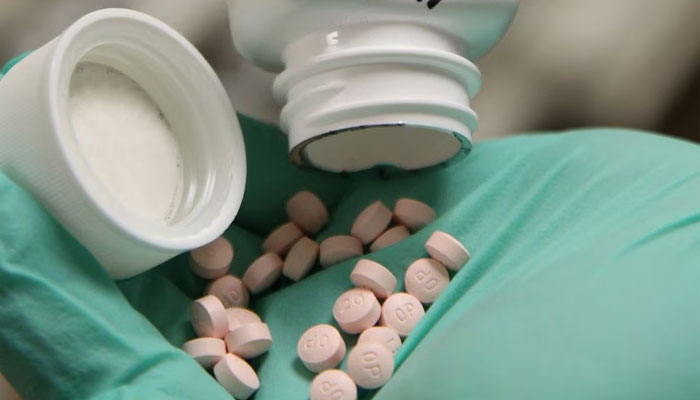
39 149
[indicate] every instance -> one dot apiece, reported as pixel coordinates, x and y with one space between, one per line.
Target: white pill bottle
124 133
372 83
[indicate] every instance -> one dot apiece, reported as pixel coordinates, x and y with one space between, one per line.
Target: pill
238 316
282 239
389 237
448 250
413 214
356 310
307 211
230 290
373 276
426 279
370 364
321 347
371 222
339 248
209 317
402 312
333 384
236 376
263 272
249 340
206 351
300 259
381 334
212 260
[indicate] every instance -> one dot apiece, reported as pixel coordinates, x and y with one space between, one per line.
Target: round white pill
236 376
238 316
426 279
370 365
356 310
300 259
321 347
209 317
448 250
413 214
206 351
307 211
249 340
230 290
339 248
263 272
390 237
381 334
371 222
333 384
212 260
402 312
282 239
373 276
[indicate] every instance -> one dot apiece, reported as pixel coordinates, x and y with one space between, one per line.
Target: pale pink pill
282 239
371 222
300 259
230 290
263 272
236 376
206 351
321 347
238 316
448 250
339 248
356 310
402 312
426 279
333 384
373 276
390 237
370 365
413 214
381 334
212 260
209 317
307 211
249 340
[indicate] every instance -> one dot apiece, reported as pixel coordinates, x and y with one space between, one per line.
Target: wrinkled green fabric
584 280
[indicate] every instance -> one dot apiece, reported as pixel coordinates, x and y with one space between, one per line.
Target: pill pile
229 333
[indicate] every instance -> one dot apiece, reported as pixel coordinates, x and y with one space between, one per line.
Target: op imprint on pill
209 317
321 347
426 279
356 310
212 260
381 334
370 365
230 290
371 222
402 312
307 211
333 384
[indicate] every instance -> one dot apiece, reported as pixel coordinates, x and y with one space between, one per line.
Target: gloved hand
583 281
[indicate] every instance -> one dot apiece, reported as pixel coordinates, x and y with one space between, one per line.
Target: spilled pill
230 290
402 312
212 260
448 250
307 211
426 279
300 259
321 347
263 272
356 310
238 316
371 222
389 237
373 276
282 239
236 376
413 214
370 364
339 248
381 334
333 384
249 340
206 351
209 317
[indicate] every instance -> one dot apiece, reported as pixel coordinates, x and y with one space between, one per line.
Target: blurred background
563 64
